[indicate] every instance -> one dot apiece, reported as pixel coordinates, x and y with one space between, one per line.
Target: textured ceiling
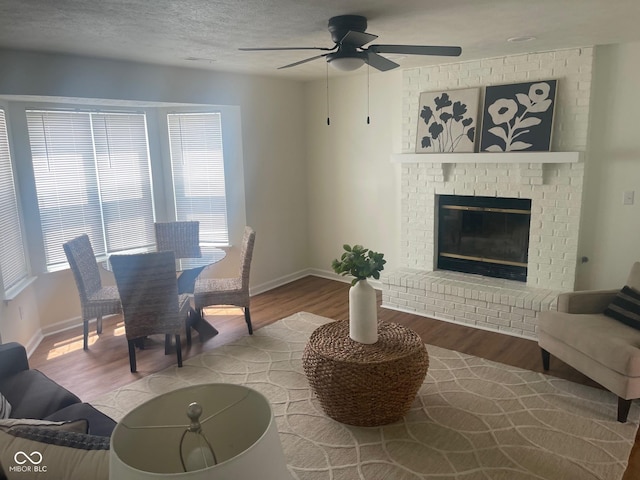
207 33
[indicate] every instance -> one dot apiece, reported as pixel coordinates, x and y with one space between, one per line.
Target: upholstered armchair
605 349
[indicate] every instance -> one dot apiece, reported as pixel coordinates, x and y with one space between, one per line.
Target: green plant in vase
361 263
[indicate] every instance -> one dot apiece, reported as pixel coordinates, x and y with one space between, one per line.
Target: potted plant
361 263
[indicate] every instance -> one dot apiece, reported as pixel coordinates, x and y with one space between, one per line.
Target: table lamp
213 431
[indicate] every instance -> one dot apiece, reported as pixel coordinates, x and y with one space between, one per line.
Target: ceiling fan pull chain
328 120
368 96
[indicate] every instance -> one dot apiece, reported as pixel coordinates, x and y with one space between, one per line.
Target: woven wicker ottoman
365 385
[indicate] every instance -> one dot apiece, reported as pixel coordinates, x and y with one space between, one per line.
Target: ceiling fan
348 34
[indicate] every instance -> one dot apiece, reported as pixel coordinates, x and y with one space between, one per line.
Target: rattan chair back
148 292
182 238
83 264
150 302
246 255
229 291
95 300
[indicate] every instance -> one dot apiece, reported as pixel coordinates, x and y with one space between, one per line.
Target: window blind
197 162
92 176
125 180
13 262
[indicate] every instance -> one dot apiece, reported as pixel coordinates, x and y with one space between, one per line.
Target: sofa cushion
34 395
64 455
613 344
5 407
99 423
625 307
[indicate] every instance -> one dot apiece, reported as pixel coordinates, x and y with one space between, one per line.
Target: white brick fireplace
552 180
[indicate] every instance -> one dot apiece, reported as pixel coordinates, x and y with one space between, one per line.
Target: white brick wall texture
488 303
555 191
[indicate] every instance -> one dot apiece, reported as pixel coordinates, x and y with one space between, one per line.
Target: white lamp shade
242 432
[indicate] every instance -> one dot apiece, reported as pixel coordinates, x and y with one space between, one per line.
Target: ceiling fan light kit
349 35
346 64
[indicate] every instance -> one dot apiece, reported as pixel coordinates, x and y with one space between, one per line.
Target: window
13 264
197 162
93 176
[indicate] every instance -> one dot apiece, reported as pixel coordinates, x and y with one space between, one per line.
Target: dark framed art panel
518 117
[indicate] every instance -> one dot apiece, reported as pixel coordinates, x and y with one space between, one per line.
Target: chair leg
179 350
99 325
167 344
623 409
247 318
85 334
188 324
546 356
132 355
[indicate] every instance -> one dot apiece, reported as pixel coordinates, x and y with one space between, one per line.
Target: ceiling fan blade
357 39
417 50
379 62
251 49
303 61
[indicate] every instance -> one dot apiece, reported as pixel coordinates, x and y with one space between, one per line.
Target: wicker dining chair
229 291
150 302
182 238
95 300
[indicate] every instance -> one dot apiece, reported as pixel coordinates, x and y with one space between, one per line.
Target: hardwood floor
105 366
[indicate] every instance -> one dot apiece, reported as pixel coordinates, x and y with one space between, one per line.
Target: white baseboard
278 282
377 284
56 328
63 325
33 343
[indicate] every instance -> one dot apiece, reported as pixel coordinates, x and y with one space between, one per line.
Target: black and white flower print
518 120
447 121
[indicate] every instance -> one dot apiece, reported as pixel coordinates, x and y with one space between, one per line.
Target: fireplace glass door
484 235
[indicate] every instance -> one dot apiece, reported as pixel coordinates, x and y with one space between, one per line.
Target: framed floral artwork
447 121
518 117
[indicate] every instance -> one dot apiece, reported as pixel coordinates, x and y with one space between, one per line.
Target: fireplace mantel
488 157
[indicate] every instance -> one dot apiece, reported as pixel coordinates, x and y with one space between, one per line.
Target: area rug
472 418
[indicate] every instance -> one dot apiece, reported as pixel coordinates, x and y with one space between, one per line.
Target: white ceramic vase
363 313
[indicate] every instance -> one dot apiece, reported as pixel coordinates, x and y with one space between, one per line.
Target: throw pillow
57 454
626 307
63 438
78 426
5 407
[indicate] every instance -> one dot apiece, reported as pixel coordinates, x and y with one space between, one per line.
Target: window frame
9 293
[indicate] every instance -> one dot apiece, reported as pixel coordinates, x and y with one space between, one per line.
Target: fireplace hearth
484 235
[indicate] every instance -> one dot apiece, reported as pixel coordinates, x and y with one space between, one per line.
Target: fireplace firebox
484 235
